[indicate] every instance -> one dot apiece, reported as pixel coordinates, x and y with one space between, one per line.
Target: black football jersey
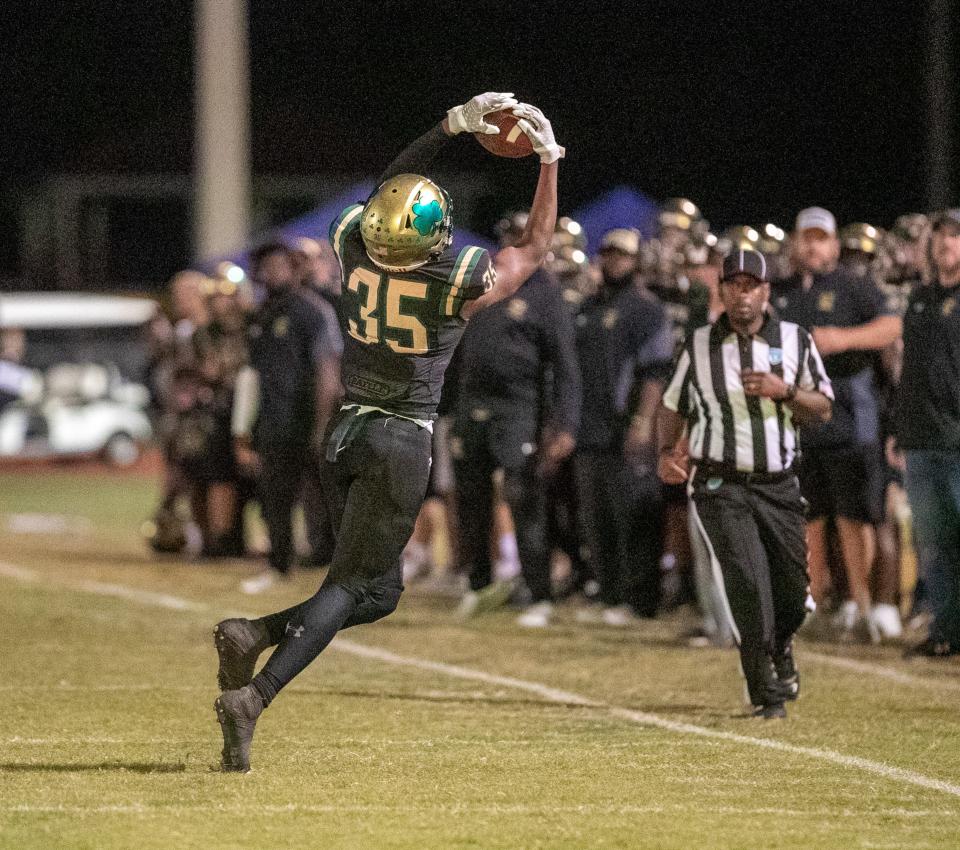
400 329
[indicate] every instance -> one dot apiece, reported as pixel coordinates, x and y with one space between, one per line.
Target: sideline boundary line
551 694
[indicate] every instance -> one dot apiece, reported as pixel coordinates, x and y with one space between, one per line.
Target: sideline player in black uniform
407 297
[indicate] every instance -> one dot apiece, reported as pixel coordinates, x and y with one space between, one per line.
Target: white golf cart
88 354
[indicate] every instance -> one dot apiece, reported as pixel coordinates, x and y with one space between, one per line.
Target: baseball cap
744 261
947 217
306 245
816 217
622 239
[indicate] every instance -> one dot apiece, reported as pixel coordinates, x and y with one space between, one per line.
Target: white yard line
548 693
466 808
644 718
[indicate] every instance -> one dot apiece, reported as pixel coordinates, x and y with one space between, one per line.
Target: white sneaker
537 616
886 618
468 605
259 583
846 617
619 616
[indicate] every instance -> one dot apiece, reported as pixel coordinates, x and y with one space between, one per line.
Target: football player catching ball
407 296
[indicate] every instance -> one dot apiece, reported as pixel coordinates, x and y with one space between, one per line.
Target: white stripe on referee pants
714 561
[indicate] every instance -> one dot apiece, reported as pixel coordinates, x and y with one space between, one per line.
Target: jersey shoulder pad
343 225
469 274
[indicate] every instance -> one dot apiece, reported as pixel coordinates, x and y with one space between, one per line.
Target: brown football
511 141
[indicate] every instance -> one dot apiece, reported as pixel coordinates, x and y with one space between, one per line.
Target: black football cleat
239 644
788 677
237 713
771 711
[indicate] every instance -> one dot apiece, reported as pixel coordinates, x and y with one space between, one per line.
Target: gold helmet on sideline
860 236
772 239
737 237
681 213
406 222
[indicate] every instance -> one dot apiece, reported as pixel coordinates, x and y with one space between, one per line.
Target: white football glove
537 128
468 118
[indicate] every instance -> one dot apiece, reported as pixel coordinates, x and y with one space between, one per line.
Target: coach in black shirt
741 384
294 346
624 346
517 409
928 430
841 471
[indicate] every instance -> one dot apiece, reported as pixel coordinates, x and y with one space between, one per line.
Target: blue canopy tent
316 223
622 206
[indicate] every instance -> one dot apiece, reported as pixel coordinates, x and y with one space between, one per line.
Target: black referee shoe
771 711
237 713
239 643
787 676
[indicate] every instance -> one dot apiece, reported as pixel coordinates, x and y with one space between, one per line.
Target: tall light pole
938 86
222 139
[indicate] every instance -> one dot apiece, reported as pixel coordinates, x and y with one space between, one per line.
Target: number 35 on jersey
406 312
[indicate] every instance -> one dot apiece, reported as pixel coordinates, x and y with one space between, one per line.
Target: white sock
416 553
507 566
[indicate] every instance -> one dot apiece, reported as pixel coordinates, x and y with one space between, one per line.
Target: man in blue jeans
928 431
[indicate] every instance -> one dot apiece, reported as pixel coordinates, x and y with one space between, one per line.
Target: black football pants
375 487
754 531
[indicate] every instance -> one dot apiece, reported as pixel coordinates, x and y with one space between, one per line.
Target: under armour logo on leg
297 630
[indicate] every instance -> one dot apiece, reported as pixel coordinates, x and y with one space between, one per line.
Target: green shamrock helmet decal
426 217
405 222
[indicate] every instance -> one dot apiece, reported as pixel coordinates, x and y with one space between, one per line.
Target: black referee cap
744 261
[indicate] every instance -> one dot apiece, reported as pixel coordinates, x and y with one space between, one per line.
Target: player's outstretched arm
514 265
466 118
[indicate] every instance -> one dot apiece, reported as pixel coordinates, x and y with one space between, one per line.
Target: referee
743 384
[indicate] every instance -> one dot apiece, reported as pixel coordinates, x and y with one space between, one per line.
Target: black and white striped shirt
728 427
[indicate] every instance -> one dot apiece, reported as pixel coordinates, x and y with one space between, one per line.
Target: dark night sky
751 109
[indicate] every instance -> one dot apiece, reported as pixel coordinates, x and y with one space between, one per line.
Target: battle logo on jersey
489 278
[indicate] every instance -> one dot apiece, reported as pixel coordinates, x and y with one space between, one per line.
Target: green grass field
418 732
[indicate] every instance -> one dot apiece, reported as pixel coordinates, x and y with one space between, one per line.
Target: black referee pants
754 531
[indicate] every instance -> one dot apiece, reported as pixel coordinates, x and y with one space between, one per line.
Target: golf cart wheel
121 450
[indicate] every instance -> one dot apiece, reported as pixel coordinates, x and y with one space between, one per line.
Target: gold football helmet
406 222
860 236
772 239
740 236
681 213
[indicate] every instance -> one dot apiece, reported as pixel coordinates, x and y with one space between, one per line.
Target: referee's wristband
791 392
